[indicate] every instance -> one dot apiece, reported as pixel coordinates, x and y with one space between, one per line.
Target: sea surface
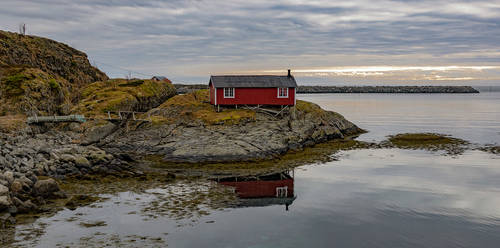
366 198
473 117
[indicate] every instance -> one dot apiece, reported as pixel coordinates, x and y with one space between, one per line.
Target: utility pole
22 28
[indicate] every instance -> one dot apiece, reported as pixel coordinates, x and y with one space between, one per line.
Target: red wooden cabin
260 189
252 90
275 189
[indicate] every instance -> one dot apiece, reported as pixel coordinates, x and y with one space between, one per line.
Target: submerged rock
80 200
6 219
46 188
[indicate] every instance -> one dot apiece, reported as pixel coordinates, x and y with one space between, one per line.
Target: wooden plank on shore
55 118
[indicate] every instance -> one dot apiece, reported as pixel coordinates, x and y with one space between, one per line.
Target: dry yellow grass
11 123
28 90
122 95
195 107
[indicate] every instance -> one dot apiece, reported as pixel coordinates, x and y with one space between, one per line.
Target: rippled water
368 198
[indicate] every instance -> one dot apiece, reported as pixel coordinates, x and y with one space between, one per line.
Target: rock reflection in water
259 191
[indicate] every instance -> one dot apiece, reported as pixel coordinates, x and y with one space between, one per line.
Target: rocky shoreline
30 162
186 88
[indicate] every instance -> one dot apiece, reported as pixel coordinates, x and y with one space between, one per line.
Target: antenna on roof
289 74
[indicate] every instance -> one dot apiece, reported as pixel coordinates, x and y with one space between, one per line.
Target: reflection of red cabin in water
265 190
252 90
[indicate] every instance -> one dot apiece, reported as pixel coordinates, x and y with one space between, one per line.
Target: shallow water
368 198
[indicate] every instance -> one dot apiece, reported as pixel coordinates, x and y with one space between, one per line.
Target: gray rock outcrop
266 137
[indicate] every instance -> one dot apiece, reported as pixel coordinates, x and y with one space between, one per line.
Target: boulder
4 182
3 161
67 158
23 207
81 161
4 190
26 181
5 202
46 188
16 187
100 156
9 176
97 133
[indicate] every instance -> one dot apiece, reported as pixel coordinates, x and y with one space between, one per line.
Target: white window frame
285 91
282 192
231 90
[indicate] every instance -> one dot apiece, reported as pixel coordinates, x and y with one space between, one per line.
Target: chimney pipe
289 74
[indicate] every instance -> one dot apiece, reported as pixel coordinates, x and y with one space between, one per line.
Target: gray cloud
188 40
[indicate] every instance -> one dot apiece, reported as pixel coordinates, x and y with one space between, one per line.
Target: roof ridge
253 81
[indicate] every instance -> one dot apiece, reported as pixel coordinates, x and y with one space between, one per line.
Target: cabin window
281 192
228 92
282 92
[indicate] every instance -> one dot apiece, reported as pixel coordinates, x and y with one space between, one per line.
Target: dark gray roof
160 77
260 81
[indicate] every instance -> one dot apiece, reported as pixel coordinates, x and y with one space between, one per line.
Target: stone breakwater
186 88
28 164
386 89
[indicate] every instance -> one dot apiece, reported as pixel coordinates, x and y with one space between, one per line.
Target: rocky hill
52 57
186 128
33 91
123 95
40 76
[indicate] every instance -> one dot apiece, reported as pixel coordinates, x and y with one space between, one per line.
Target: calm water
368 198
474 117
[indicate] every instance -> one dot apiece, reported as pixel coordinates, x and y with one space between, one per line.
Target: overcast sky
340 42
